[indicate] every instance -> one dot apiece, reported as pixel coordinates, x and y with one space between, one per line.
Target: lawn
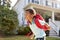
24 38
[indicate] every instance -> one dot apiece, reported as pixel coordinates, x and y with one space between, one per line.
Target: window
52 4
28 1
37 1
32 1
55 5
46 2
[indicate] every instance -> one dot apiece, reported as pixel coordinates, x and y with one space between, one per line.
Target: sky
13 2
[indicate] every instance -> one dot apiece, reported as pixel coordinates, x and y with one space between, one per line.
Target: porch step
52 33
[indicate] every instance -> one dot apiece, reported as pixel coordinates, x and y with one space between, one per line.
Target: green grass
24 38
52 38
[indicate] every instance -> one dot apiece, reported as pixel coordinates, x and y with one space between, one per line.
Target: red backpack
38 24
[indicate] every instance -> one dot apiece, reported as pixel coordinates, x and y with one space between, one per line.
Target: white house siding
20 11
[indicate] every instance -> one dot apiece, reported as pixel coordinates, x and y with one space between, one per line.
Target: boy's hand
47 26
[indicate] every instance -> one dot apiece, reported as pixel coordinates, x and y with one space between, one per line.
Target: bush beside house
8 20
23 30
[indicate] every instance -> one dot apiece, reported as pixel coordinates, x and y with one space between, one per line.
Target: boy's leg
40 38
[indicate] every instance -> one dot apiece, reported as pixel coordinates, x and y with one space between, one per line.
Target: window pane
52 4
28 1
55 5
32 1
37 1
46 2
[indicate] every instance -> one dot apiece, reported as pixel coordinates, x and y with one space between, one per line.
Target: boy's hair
30 10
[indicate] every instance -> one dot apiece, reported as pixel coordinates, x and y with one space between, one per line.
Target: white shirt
39 33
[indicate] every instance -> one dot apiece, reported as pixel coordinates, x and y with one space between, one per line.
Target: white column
53 18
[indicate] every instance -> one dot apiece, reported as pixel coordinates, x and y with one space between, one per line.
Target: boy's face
27 15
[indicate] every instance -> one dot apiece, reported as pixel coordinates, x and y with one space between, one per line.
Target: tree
5 3
8 20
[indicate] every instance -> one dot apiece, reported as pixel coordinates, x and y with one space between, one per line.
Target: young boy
38 32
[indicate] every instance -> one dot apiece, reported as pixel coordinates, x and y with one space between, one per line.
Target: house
47 8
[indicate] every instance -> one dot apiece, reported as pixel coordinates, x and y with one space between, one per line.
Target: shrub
23 30
8 20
